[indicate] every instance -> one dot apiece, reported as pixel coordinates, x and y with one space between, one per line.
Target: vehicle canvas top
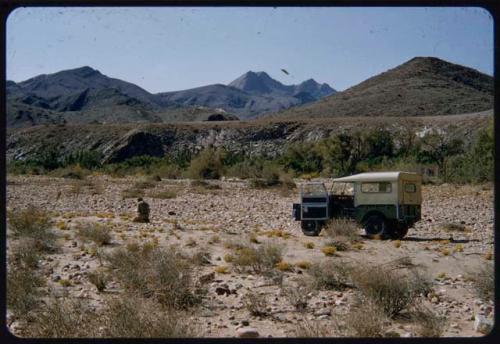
385 187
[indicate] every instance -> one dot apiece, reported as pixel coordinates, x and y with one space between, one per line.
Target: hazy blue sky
165 49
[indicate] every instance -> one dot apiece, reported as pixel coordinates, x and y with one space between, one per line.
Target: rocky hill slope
118 142
423 86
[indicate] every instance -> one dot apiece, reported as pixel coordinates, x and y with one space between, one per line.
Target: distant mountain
77 89
423 86
250 95
84 95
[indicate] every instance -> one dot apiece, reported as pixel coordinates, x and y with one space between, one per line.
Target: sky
174 48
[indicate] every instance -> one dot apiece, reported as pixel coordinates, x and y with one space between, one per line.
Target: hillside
118 142
423 86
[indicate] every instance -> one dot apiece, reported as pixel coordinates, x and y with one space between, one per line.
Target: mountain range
84 95
422 86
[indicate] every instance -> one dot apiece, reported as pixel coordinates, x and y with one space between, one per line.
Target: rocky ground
196 218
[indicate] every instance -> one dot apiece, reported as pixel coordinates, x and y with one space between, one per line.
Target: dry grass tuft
454 227
303 264
284 266
221 269
329 250
97 233
309 245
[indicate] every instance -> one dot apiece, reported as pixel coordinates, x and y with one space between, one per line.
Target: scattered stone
323 311
482 325
207 278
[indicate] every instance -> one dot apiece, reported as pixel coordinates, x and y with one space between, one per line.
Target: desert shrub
32 223
87 159
134 317
99 279
201 257
330 275
22 290
297 296
364 320
484 282
162 273
65 319
144 184
207 164
25 255
132 193
312 329
430 324
97 233
255 303
70 172
343 230
164 194
390 289
260 259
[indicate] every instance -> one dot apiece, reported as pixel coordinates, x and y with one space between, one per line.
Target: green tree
438 146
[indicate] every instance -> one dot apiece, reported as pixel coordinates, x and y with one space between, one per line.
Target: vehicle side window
376 187
410 188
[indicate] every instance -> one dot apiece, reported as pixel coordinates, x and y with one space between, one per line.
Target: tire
377 227
311 227
401 231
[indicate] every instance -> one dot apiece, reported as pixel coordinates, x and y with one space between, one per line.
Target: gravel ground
231 211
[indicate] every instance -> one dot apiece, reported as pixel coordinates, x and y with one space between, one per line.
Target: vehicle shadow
457 241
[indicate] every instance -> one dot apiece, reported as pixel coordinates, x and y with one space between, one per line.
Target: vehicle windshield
340 188
313 190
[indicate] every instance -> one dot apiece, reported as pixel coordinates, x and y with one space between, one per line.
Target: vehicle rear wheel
311 227
376 227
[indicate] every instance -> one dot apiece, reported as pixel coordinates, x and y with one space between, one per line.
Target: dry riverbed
452 242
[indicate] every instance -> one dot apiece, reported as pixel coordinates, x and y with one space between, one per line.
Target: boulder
482 325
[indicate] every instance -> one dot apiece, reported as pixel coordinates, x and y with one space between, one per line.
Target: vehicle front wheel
376 227
401 231
311 227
